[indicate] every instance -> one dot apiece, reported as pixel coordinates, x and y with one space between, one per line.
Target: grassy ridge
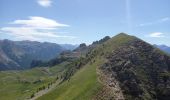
82 86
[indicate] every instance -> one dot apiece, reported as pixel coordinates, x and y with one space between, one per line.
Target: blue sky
77 21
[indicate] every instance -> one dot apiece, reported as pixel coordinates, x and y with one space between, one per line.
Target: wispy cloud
44 3
165 19
35 28
156 35
39 23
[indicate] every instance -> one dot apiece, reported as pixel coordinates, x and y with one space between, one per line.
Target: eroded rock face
111 89
142 71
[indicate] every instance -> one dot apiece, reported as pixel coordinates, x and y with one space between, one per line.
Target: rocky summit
141 70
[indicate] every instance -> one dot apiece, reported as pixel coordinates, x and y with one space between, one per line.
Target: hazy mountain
19 54
164 48
68 46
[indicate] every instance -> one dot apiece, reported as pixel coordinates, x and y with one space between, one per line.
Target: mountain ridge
122 67
125 60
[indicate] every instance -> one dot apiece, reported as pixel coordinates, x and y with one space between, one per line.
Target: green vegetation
83 85
19 85
128 66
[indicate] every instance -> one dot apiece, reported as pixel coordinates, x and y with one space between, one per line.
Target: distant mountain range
19 54
68 46
163 48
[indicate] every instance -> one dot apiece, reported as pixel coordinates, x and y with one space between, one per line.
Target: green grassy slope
82 86
19 85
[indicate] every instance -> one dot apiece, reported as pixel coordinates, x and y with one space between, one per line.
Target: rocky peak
141 69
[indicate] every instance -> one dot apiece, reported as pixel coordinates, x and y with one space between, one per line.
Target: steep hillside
126 68
142 71
19 54
81 86
6 62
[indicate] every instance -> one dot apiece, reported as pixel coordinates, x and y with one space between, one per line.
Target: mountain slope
142 70
83 85
129 69
19 54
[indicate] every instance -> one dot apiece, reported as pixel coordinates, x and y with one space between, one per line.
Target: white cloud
44 3
35 28
157 34
165 19
39 23
29 32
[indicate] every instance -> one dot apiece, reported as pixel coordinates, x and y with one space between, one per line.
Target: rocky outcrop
111 89
142 71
